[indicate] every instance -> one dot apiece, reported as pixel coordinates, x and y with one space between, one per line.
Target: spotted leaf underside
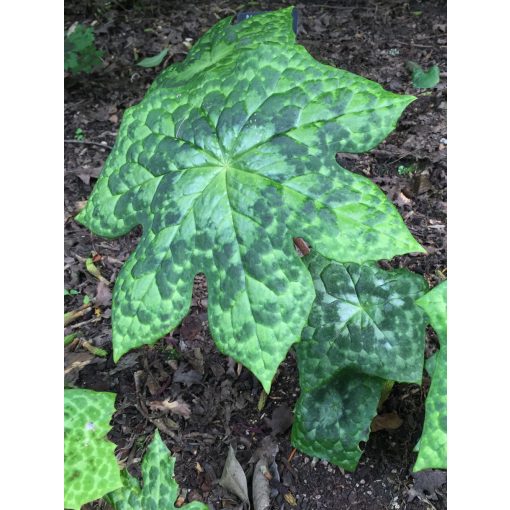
229 156
159 491
90 466
433 442
363 330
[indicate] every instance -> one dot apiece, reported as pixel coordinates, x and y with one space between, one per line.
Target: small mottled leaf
159 491
90 467
423 79
364 329
433 442
229 156
80 53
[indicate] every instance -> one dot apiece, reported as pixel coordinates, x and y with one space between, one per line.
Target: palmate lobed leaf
229 156
160 490
364 329
433 442
90 466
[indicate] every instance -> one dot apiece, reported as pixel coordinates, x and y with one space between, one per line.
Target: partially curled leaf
159 491
364 329
233 478
175 406
229 156
433 442
90 467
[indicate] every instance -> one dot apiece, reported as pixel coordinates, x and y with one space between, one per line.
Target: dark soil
373 39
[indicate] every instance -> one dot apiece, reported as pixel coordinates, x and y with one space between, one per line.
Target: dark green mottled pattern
433 442
332 419
364 328
229 155
128 497
90 467
159 491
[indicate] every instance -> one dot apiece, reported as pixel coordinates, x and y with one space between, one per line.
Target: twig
76 314
89 321
87 142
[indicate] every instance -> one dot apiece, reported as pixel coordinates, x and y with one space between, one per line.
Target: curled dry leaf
426 484
103 294
386 421
85 173
233 478
265 457
260 485
176 407
281 420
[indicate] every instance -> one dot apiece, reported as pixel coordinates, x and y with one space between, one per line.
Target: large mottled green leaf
159 491
433 442
90 467
364 329
229 156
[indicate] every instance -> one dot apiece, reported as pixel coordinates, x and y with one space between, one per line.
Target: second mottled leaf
364 328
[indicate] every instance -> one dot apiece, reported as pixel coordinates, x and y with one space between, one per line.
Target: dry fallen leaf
265 456
85 173
103 294
281 420
176 407
386 421
233 478
426 484
260 486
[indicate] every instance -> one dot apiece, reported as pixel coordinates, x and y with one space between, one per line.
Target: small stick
80 324
76 314
87 142
292 453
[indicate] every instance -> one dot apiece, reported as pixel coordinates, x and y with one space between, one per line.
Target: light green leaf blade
364 329
160 490
433 443
153 61
434 304
90 467
229 156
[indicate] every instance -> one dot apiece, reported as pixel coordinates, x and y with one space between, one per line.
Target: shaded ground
373 39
